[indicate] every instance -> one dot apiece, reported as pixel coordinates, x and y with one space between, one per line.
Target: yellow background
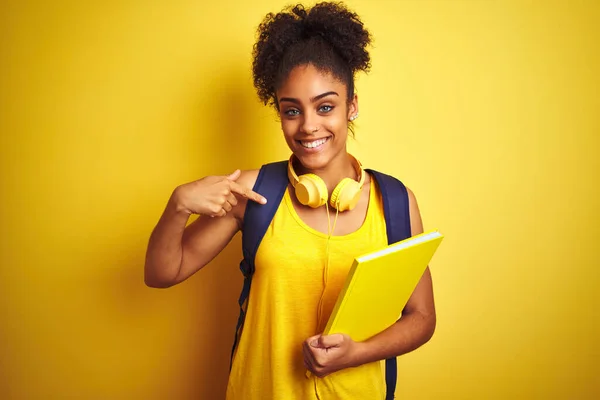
488 110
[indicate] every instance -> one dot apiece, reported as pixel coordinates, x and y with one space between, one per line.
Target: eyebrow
312 100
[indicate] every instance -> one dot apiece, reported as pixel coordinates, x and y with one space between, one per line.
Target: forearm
164 253
409 333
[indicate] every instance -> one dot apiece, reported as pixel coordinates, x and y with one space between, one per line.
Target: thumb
236 174
328 341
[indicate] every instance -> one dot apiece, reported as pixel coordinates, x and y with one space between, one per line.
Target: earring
352 118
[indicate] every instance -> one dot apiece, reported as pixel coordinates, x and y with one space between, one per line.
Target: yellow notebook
379 285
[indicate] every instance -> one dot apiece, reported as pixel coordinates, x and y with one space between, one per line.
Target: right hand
214 196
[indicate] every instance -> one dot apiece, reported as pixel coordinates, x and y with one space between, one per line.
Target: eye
325 108
292 112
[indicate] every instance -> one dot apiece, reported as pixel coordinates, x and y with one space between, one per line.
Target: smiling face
314 112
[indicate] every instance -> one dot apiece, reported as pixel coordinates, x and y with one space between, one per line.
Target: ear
353 106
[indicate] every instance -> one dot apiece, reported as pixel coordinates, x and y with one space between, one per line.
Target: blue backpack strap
271 183
397 220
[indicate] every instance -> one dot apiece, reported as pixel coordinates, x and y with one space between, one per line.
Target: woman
304 65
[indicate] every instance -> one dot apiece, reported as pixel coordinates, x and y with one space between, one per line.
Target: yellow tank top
285 304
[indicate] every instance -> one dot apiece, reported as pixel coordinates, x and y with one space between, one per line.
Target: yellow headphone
311 190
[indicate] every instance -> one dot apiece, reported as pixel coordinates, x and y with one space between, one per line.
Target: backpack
272 182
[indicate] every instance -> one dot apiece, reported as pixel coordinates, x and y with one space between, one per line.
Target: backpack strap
271 183
397 221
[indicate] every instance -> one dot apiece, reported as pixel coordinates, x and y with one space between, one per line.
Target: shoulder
389 181
247 180
382 178
416 223
412 199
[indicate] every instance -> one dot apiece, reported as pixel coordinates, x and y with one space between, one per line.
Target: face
314 113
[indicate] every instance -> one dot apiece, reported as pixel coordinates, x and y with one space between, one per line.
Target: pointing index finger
247 193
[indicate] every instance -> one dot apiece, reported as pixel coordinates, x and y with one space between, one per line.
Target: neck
338 168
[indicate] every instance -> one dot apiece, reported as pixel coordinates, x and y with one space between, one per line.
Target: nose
310 124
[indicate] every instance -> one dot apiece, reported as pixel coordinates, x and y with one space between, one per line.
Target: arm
175 252
418 321
326 354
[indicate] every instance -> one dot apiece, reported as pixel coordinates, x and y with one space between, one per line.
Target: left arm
417 324
326 354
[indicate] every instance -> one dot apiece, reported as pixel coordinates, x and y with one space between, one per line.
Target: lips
313 144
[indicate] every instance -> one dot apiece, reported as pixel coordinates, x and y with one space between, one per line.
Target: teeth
313 144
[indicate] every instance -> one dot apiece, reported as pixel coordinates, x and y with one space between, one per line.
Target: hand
213 195
324 355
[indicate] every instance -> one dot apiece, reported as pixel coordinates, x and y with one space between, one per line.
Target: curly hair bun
328 36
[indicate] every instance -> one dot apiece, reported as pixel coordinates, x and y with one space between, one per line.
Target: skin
313 105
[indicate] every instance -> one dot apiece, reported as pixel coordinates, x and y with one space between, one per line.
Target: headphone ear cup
311 190
346 194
